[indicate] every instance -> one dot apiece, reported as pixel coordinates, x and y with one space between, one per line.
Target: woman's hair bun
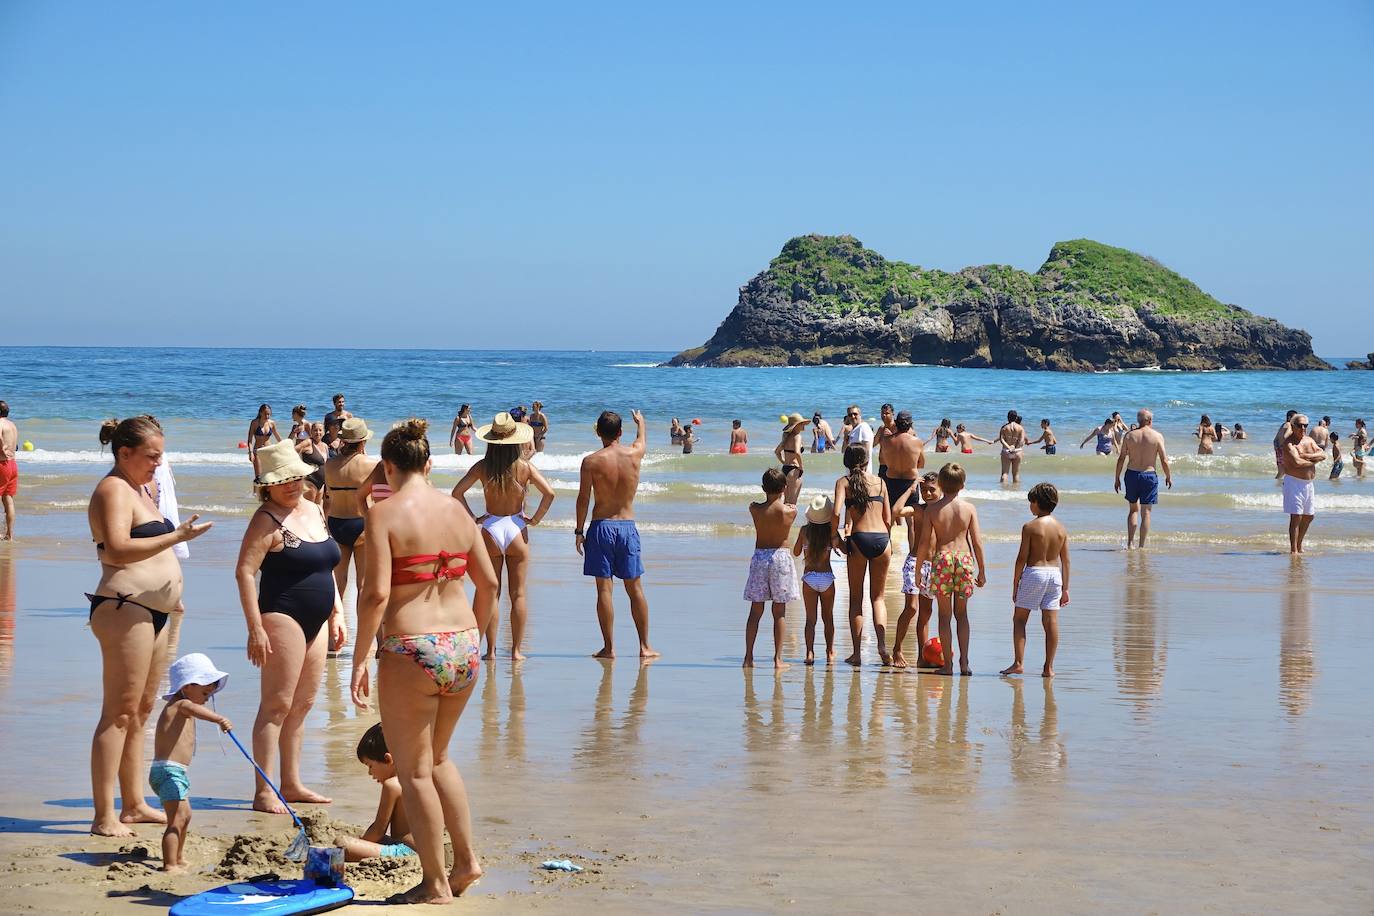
415 428
107 431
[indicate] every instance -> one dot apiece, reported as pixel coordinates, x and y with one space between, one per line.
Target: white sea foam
634 365
1328 502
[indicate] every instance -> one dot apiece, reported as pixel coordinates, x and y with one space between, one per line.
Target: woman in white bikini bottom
504 529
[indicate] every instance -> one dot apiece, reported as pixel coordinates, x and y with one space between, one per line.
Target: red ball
932 652
243 445
697 421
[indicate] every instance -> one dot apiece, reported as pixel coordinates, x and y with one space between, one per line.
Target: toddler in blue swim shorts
194 679
389 832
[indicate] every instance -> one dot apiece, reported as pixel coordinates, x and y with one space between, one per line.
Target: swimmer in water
1206 435
1047 437
965 439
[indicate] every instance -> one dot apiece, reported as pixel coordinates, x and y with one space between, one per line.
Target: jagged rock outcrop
1361 364
829 300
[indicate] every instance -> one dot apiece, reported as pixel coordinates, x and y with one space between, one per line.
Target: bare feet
748 661
648 652
424 892
811 658
947 671
1047 671
268 803
489 655
779 664
142 814
898 659
459 882
1014 668
830 658
173 869
965 670
303 795
111 828
885 659
607 652
854 660
516 655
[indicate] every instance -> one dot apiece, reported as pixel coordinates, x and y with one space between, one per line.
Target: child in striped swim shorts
1041 577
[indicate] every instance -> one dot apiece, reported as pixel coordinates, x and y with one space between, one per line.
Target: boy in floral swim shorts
953 542
772 575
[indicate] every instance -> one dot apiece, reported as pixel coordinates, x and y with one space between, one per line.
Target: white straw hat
504 430
280 463
195 668
821 510
354 429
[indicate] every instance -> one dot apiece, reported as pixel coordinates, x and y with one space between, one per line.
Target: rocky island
828 300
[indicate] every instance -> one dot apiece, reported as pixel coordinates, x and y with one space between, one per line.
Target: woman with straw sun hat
293 614
506 477
343 506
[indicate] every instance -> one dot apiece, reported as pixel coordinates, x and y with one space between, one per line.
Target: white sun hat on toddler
195 668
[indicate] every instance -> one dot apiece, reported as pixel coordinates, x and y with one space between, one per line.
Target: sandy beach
1205 747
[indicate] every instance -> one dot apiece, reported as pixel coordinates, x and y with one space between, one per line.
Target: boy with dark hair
1041 577
389 833
772 575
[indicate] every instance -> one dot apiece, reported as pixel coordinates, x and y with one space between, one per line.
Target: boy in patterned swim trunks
916 584
952 542
772 575
1040 579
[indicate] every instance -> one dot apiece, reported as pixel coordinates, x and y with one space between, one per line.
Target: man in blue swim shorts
609 545
1141 449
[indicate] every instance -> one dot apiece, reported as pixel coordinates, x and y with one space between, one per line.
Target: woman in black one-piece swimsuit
292 618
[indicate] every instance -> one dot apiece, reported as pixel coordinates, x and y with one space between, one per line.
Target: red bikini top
402 576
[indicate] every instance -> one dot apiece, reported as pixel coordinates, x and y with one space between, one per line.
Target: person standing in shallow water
1141 450
609 545
9 468
1301 455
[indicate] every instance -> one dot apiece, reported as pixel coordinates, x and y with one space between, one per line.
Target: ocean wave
634 365
545 461
1328 502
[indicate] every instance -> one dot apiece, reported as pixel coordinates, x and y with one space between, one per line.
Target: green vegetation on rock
838 274
1108 274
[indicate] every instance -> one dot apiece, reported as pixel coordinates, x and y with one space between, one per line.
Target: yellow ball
28 446
782 418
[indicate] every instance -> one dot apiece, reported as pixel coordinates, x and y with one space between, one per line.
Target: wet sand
1206 746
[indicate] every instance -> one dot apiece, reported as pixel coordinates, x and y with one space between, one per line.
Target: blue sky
606 176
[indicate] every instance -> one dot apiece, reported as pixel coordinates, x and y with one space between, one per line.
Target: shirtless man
739 439
1280 438
1301 455
610 544
333 421
905 456
952 542
9 468
1321 433
1141 450
789 455
885 431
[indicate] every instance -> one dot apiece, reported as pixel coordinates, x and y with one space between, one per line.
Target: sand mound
385 870
248 856
321 829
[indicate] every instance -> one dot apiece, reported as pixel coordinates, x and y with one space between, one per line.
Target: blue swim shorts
396 850
612 549
1142 487
169 780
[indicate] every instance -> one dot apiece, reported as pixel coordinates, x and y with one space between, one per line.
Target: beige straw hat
794 418
504 430
821 510
280 463
354 429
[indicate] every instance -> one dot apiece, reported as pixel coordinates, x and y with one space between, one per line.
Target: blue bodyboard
257 898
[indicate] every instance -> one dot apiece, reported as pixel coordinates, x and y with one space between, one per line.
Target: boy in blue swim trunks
610 544
389 832
194 679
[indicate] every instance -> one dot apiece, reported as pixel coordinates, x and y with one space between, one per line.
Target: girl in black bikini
260 432
294 615
868 519
140 585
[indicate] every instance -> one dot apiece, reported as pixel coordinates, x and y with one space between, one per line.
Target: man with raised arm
1141 449
610 544
1301 455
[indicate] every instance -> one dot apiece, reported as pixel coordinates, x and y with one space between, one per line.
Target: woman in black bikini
460 434
868 519
343 505
140 585
293 614
540 424
260 432
314 453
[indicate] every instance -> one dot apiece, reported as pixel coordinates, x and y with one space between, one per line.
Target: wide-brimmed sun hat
195 668
354 429
793 419
821 510
280 463
504 430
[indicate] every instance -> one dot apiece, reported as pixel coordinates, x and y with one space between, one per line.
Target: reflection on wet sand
1297 661
955 760
1140 639
608 749
765 733
7 610
1043 756
508 740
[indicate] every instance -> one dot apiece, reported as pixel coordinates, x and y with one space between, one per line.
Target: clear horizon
606 178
